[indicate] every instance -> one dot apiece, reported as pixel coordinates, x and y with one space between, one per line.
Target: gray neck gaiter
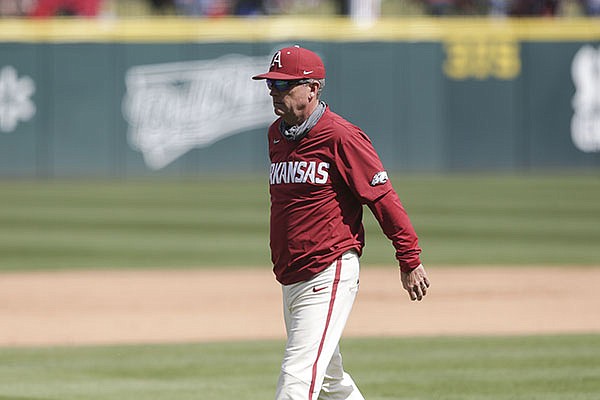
297 132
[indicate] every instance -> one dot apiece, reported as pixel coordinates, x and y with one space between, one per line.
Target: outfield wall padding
168 97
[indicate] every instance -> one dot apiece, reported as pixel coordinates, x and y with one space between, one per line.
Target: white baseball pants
315 314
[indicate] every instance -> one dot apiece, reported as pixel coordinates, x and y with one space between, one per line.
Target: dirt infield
108 307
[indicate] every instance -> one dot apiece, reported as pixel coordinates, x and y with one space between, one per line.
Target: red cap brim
277 75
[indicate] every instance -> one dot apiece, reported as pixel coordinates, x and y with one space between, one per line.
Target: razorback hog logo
379 178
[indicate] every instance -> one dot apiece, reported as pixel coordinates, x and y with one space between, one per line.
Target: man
323 169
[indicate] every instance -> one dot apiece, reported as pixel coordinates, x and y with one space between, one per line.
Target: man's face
290 99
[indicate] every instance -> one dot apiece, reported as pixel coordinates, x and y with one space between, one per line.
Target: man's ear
314 89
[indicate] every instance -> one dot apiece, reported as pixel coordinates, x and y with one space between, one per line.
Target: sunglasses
282 85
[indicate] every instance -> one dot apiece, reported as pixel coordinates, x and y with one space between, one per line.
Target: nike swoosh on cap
309 72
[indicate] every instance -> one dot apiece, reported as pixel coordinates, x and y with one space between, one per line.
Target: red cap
294 63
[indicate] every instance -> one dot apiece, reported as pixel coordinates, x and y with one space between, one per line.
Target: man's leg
315 313
338 385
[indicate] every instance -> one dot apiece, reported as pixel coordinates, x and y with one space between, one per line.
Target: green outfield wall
131 98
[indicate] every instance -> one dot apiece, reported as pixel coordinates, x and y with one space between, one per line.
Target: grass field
502 368
461 220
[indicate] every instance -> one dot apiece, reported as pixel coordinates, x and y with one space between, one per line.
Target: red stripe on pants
336 281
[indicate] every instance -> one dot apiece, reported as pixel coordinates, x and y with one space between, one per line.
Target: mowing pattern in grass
500 219
224 222
515 368
142 224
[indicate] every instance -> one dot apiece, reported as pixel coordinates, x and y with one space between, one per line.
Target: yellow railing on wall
284 28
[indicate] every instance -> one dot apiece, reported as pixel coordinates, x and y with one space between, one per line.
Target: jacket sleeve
396 225
359 165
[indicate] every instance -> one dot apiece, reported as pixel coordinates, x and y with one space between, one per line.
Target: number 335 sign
482 58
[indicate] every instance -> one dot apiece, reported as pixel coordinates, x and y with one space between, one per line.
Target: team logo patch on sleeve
379 178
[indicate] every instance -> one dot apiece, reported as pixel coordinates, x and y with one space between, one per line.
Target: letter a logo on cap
276 59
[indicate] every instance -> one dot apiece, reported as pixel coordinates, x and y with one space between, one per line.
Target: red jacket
318 186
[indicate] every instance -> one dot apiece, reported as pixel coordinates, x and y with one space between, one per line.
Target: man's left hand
415 282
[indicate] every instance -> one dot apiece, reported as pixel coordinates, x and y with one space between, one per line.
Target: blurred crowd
216 8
